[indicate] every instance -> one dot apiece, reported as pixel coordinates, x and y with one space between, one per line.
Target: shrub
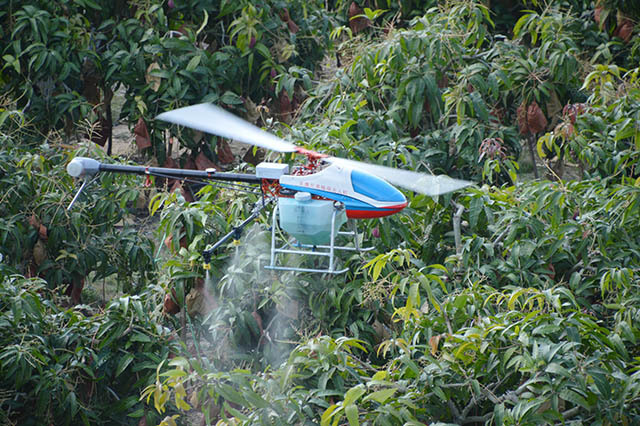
72 366
40 237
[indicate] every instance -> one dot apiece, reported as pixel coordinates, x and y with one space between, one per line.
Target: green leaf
236 413
263 50
124 363
574 398
231 395
440 393
555 368
498 415
351 411
193 63
230 98
353 394
254 399
380 396
479 107
546 329
137 413
475 208
618 346
325 419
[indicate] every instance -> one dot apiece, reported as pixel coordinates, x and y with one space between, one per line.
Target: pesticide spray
256 309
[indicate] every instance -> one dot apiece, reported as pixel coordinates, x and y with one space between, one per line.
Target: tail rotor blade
211 119
421 183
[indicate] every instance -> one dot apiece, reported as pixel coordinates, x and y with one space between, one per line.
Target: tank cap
302 196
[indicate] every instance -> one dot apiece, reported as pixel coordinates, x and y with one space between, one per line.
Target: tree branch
476 419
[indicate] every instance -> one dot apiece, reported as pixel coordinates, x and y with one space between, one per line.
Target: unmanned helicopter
312 201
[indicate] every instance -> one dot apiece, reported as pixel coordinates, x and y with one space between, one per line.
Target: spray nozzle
206 258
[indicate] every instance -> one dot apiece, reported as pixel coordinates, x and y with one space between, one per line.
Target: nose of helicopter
385 198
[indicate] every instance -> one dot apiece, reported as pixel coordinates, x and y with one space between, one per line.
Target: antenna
84 183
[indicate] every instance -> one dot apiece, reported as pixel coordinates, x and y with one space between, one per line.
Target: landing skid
291 246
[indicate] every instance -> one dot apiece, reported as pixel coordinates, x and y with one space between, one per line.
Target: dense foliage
512 302
64 60
42 237
70 366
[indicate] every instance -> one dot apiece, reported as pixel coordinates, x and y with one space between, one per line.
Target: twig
476 419
566 415
456 226
530 140
446 320
454 410
513 395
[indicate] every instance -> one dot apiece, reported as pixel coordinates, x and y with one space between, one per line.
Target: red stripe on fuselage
373 213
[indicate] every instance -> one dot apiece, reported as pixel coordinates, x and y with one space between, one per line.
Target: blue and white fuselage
363 194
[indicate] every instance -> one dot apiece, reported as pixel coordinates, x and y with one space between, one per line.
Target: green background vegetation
532 317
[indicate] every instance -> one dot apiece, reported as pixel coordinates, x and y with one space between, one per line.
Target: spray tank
309 220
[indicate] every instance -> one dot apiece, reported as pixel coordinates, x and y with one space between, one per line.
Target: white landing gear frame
291 246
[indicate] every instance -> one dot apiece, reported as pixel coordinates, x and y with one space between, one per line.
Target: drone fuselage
363 194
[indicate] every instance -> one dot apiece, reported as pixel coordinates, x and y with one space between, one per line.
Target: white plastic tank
308 220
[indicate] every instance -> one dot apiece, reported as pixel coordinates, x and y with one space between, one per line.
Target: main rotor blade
421 183
215 120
